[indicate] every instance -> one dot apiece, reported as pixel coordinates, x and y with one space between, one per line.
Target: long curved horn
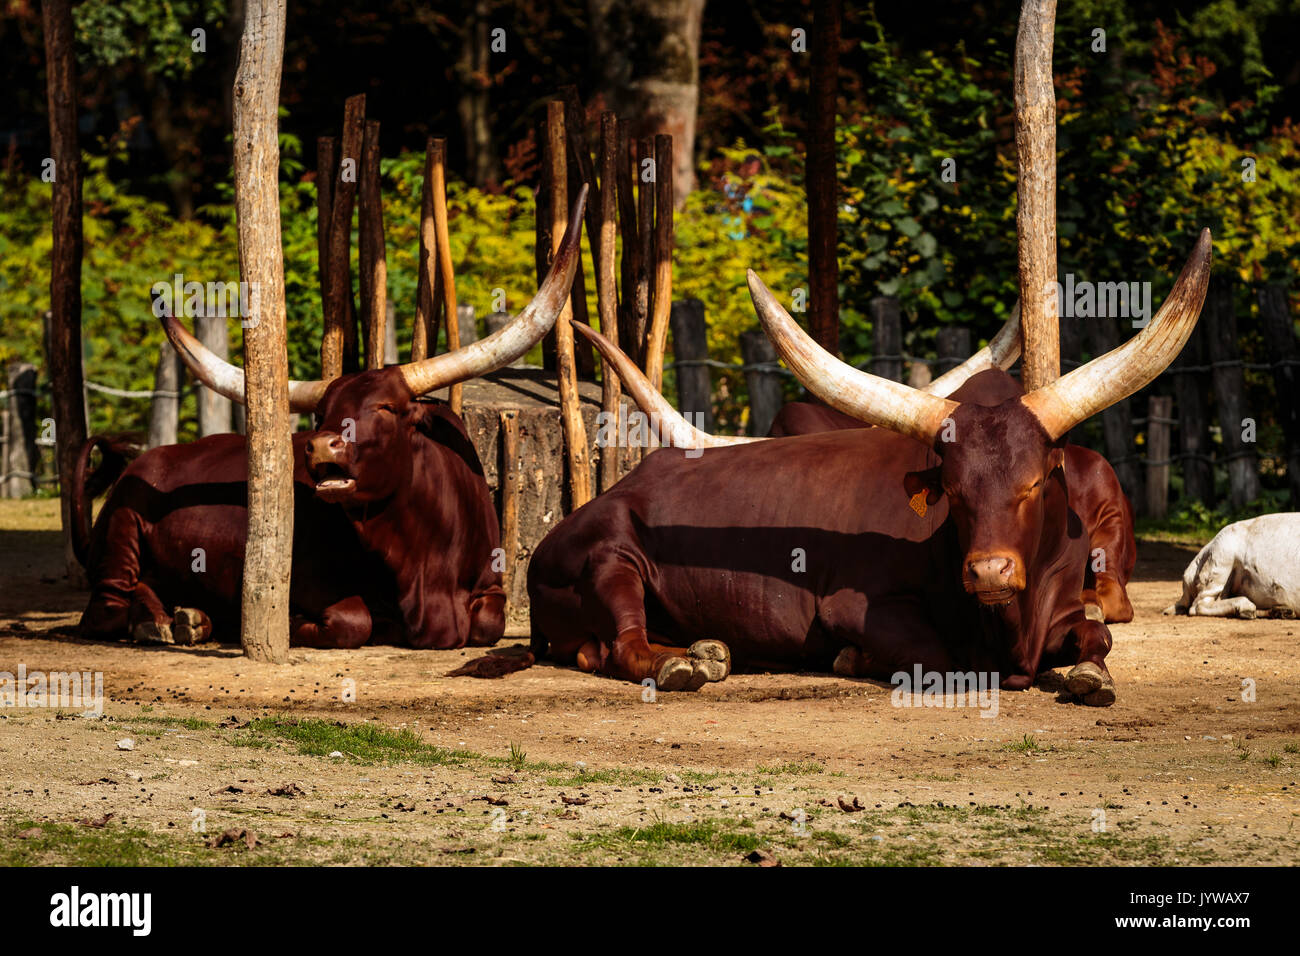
866 397
674 431
1001 352
509 343
1122 371
226 379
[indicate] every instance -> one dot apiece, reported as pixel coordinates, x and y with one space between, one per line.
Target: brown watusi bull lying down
1095 496
803 551
394 527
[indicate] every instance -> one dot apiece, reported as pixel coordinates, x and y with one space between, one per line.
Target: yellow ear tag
918 503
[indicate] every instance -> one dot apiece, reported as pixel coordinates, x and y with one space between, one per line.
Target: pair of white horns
497 350
920 413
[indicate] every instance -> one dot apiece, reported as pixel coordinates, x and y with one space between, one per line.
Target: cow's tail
115 455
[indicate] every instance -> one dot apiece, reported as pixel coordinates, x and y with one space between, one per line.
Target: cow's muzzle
329 463
993 578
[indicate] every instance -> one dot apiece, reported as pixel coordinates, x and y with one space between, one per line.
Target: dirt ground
553 766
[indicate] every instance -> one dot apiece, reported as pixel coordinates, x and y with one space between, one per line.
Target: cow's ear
1055 459
928 482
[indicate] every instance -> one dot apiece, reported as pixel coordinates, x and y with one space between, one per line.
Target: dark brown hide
394 530
793 550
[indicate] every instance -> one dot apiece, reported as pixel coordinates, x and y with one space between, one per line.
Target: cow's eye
387 408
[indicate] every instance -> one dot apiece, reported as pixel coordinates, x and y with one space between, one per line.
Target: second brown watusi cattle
943 538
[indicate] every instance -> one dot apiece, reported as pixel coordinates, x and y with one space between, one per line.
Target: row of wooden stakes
630 192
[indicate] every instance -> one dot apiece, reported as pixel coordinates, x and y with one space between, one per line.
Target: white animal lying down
1250 566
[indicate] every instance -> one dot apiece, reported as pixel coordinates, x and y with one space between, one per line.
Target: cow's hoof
1094 613
677 673
1171 609
1246 614
712 659
150 632
1084 679
846 662
1283 613
1103 696
189 627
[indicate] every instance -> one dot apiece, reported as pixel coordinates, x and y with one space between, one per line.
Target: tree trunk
823 189
472 73
268 555
1035 98
648 52
65 262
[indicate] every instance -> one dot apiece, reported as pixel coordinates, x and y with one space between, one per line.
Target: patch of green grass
793 768
618 776
518 758
363 743
1292 748
1028 745
168 723
708 835
1274 760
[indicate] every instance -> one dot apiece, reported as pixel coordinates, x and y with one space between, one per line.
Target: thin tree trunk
648 53
268 555
65 262
1035 98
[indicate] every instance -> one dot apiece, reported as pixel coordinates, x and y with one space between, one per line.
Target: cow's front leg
1209 606
1089 679
344 624
613 606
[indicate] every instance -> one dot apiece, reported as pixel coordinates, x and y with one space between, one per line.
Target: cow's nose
992 572
325 447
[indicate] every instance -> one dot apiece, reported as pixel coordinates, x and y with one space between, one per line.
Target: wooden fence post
764 384
327 170
424 333
467 323
339 314
21 457
1220 321
164 413
1279 333
1191 385
268 554
630 265
603 241
691 344
1117 421
657 335
953 346
645 220
390 333
446 277
374 255
1159 418
213 407
887 321
575 431
64 341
